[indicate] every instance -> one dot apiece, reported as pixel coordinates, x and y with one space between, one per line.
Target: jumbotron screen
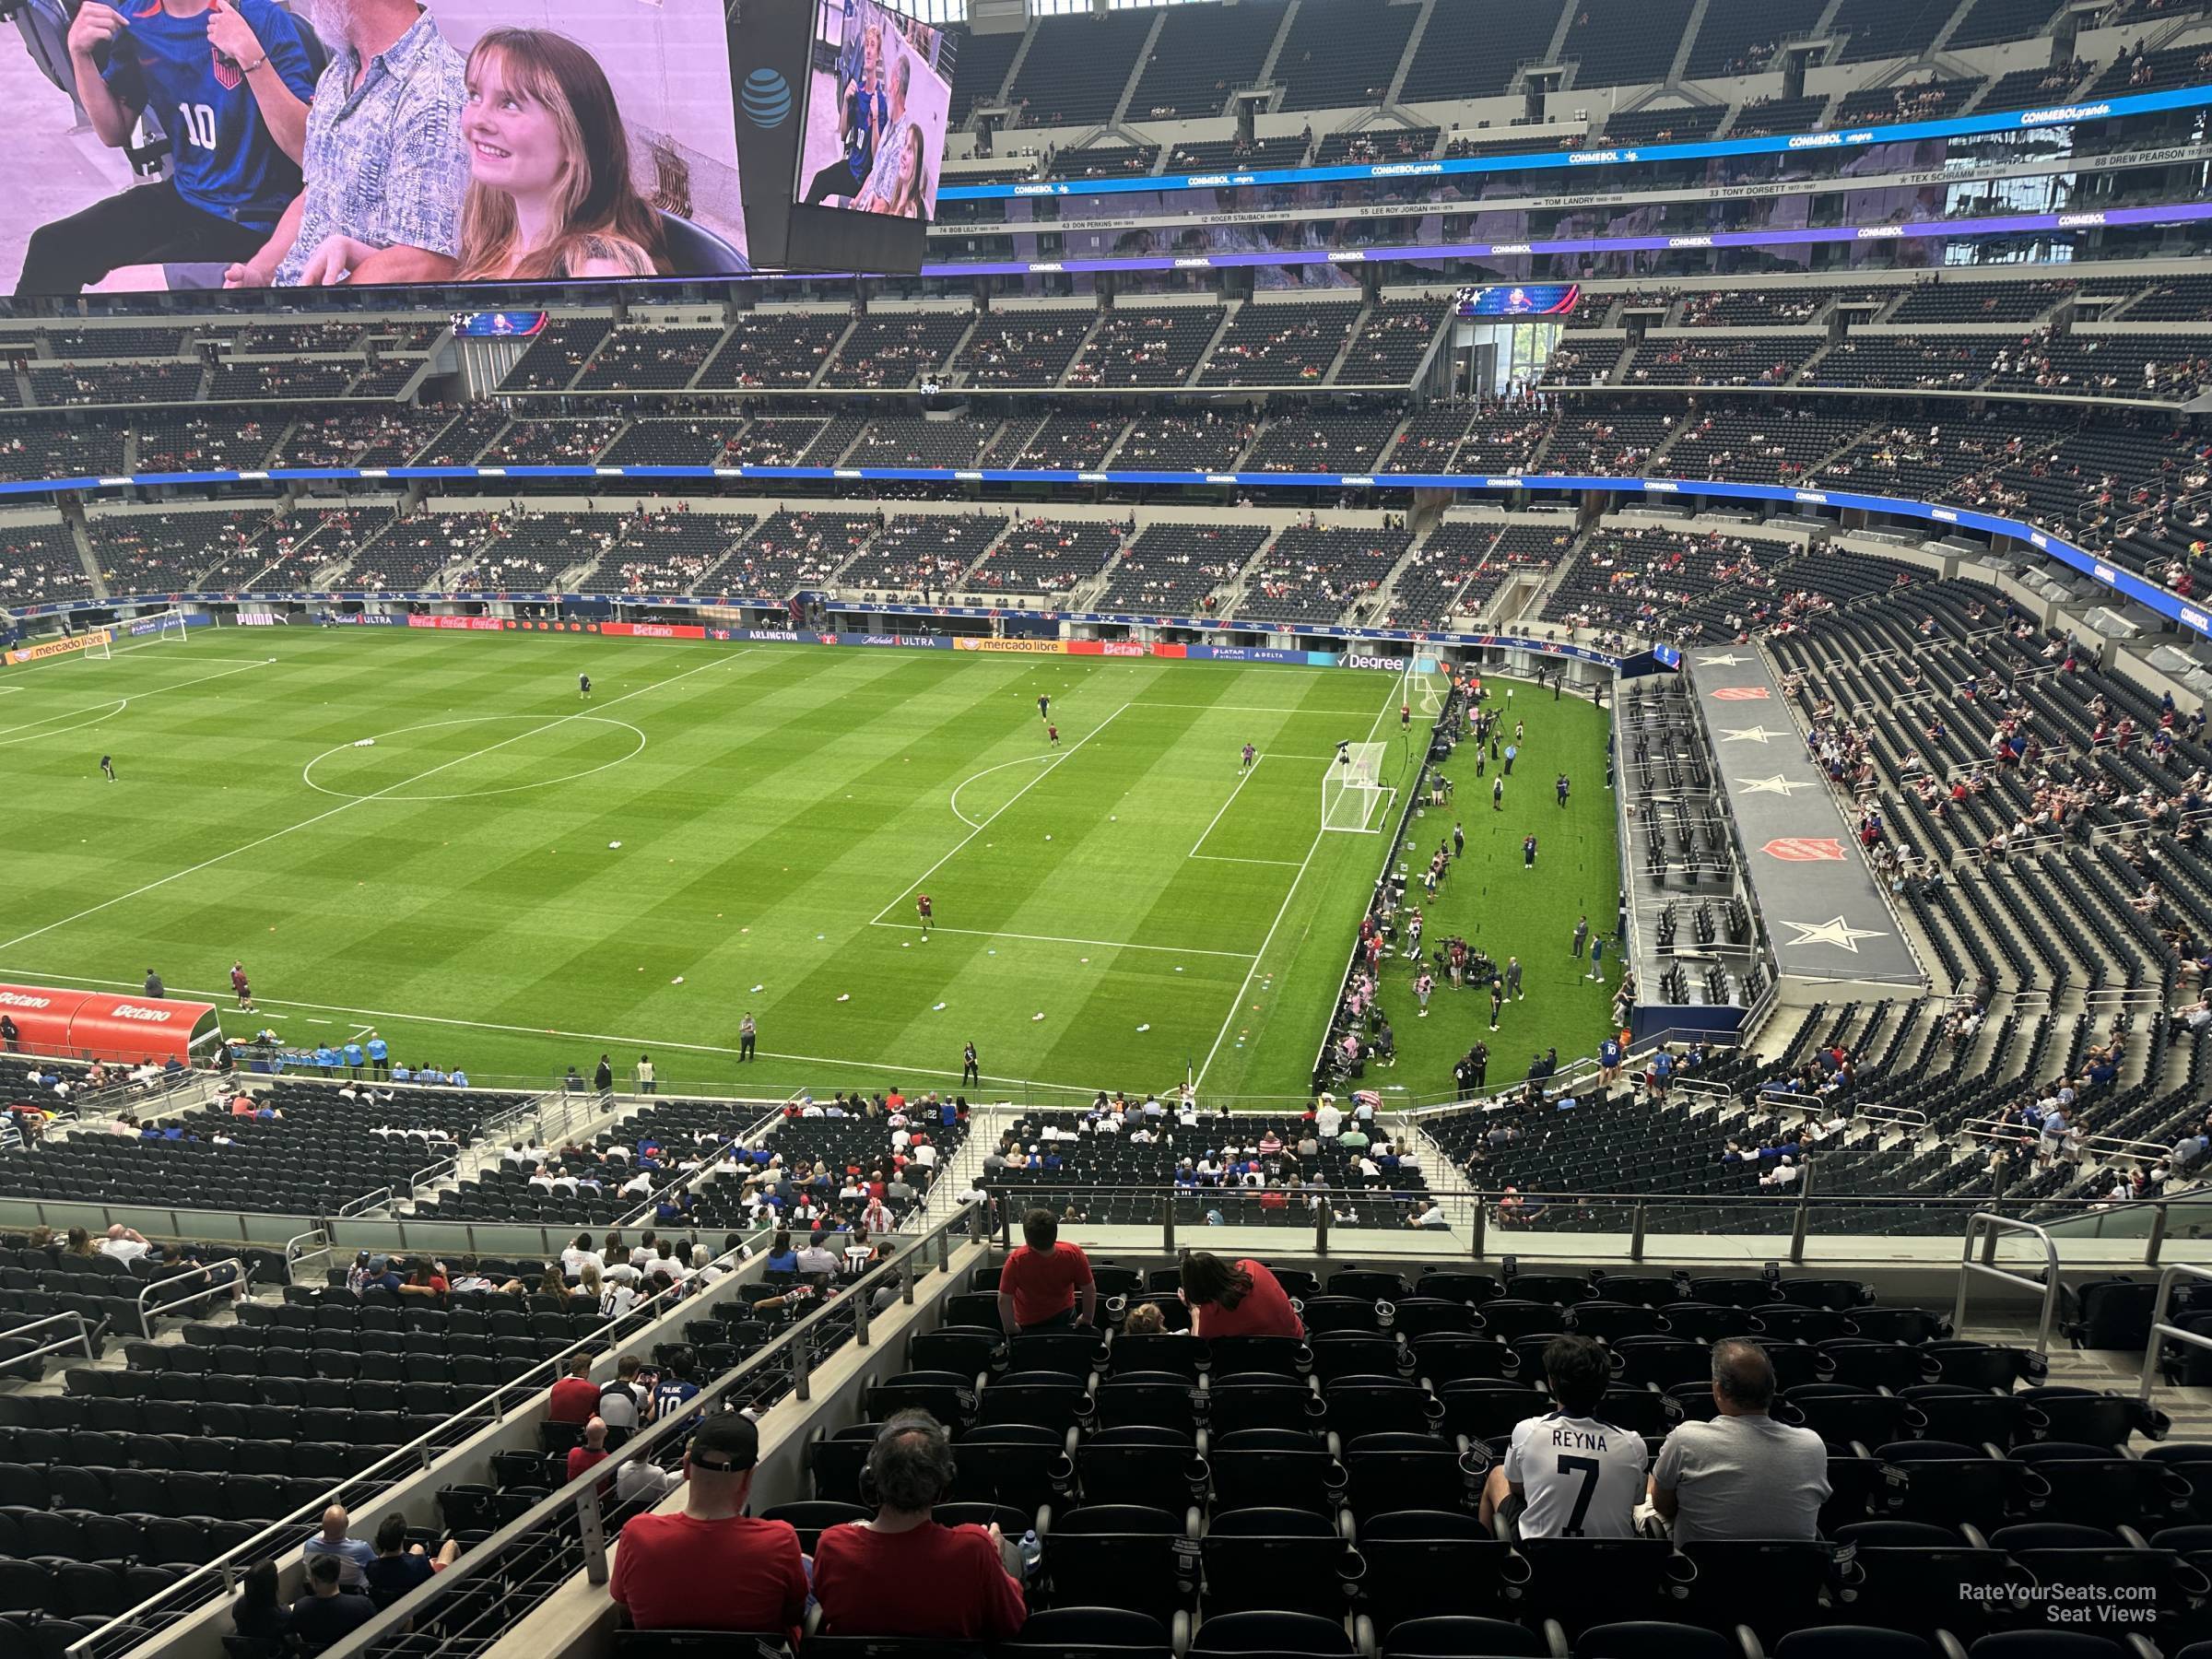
522 140
1521 300
878 97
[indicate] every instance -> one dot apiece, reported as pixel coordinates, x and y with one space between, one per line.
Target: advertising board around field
654 630
1019 647
55 648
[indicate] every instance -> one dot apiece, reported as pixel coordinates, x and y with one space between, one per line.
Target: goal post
1420 690
154 628
1352 792
168 625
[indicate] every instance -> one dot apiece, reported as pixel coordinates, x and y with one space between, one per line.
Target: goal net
1425 687
160 628
1352 792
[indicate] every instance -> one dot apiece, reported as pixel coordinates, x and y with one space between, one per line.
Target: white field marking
1284 909
100 712
645 1044
986 933
1066 754
1247 709
80 717
1243 777
343 807
477 794
199 657
953 800
9 690
1287 863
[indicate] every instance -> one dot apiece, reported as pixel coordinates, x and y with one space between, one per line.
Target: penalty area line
1295 881
986 933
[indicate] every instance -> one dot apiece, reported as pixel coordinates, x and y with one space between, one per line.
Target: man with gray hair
1742 1475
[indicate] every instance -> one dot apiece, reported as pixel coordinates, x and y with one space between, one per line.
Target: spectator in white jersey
1570 1474
1742 1475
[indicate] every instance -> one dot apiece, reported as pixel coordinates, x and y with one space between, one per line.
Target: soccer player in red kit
240 988
1052 732
922 909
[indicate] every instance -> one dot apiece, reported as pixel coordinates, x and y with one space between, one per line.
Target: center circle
424 770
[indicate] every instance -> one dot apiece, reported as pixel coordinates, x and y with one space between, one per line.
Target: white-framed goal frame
1354 799
153 628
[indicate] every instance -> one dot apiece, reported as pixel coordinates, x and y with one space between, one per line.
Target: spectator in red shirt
575 1399
713 1567
861 1568
1037 1286
424 1278
593 1451
1240 1298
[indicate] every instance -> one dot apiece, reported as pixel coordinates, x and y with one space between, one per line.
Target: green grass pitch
1107 911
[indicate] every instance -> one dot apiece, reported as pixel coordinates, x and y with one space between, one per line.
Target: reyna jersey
226 162
1581 1478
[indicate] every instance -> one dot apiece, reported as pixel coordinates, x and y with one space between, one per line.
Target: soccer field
1108 912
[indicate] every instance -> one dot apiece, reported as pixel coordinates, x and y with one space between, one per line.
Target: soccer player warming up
584 687
922 911
1051 733
240 988
107 768
1250 755
1044 709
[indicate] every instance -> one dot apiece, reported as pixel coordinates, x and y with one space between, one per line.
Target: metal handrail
2104 1146
217 1578
241 1275
297 1250
432 1171
86 1333
379 1199
1985 1227
733 1388
2160 1329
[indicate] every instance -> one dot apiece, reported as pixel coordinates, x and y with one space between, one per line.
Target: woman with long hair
549 190
549 194
1236 1298
257 1615
903 191
782 1257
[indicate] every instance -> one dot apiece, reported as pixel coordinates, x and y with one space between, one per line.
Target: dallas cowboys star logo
1727 660
1750 735
1777 784
1839 933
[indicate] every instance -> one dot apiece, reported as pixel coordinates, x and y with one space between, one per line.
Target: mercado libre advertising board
63 647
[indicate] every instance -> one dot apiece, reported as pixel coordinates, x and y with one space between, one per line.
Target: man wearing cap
713 1567
382 1275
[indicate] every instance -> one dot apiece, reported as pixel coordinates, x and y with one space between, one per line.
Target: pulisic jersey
225 162
1581 1478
